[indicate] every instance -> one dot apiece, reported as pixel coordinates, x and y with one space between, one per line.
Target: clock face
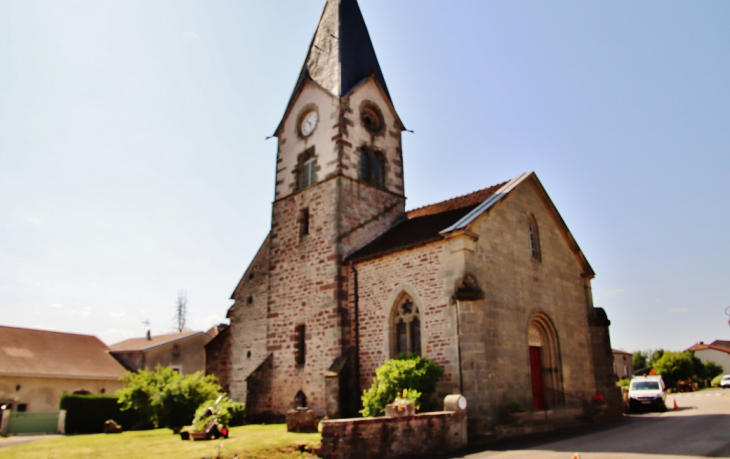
309 122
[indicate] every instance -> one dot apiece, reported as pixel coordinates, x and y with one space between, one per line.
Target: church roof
341 54
431 223
424 224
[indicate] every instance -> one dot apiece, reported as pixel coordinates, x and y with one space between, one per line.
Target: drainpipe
458 340
357 330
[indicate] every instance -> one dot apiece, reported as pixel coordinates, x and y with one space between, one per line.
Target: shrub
712 369
165 397
716 381
397 375
623 382
86 414
675 366
228 413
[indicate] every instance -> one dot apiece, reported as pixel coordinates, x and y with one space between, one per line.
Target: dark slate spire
341 54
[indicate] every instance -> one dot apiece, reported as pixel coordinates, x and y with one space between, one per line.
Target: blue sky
134 161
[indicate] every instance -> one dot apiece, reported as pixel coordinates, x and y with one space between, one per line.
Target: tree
181 311
395 376
640 360
713 370
166 397
655 356
674 366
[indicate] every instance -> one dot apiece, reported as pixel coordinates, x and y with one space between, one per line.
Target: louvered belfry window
372 167
307 173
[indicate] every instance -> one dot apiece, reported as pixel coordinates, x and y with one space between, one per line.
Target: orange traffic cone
675 404
575 456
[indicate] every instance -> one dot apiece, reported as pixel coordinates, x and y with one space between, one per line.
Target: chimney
149 334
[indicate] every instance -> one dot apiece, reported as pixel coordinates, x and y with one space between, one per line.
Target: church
491 285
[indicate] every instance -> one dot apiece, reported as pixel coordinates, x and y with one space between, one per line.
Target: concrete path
700 428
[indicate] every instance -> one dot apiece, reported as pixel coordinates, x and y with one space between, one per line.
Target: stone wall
490 365
419 273
249 323
218 358
396 437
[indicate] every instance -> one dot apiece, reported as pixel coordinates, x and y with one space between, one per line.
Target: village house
492 285
183 352
37 367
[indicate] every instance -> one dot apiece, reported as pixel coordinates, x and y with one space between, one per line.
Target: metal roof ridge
486 205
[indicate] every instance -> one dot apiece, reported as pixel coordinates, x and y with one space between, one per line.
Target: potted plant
516 410
405 404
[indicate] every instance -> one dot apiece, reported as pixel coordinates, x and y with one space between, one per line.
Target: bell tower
339 185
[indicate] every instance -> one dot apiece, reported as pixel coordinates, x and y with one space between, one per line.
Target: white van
647 392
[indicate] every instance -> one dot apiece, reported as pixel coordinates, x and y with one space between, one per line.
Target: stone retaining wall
394 437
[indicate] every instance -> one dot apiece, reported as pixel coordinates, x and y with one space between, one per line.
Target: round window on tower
372 118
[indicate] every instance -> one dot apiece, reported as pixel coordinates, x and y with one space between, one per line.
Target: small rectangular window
300 344
22 407
303 222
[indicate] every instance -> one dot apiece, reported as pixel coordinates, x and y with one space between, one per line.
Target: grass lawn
254 441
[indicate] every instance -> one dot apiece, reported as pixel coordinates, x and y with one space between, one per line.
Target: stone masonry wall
303 290
218 359
249 323
397 437
495 354
418 272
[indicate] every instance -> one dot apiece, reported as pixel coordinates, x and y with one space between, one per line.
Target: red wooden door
538 395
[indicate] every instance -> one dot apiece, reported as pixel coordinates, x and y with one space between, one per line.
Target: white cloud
206 323
56 306
602 295
119 315
82 312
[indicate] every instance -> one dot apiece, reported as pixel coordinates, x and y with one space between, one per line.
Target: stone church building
491 285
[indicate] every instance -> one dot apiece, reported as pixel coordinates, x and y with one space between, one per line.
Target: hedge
87 414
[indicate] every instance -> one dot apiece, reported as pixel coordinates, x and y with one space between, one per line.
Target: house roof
144 344
432 223
618 351
49 354
702 347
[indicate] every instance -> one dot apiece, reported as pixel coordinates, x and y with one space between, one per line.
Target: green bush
675 367
228 413
712 369
395 376
86 414
623 382
716 381
165 397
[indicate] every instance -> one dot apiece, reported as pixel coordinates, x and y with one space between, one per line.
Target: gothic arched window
534 238
406 328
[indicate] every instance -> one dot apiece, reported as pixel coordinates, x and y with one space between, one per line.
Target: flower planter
393 410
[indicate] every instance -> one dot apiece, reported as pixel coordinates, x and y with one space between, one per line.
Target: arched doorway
545 365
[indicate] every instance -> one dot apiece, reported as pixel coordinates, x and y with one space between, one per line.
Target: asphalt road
699 428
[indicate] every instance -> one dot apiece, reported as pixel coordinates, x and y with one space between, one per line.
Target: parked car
647 392
725 382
